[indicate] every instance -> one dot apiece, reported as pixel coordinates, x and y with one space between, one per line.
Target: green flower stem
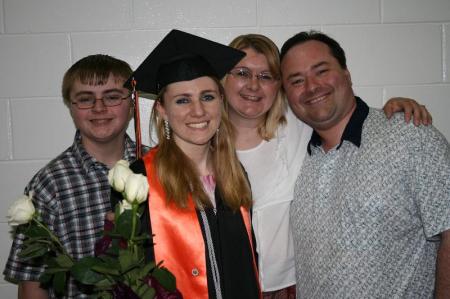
132 244
53 237
141 238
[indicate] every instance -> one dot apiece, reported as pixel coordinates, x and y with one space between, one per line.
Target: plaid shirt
72 195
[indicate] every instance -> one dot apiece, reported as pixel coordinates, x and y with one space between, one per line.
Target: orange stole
178 239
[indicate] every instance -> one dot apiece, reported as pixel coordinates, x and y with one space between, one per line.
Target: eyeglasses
244 75
109 100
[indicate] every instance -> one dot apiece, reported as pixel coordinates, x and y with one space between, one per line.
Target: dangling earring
166 129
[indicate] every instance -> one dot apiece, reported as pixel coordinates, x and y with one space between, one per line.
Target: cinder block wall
394 47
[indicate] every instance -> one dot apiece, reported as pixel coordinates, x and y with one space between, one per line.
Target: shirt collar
130 149
88 162
352 131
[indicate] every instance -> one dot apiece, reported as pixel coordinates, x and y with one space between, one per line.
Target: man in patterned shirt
72 191
371 212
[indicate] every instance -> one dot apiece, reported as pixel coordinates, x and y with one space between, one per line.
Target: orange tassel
137 119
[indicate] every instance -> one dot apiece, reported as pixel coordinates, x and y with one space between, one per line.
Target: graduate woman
199 196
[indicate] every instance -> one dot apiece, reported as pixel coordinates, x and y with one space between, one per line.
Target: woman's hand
411 108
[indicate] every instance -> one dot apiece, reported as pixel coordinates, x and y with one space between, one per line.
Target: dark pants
286 293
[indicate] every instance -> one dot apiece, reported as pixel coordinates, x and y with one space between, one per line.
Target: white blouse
273 167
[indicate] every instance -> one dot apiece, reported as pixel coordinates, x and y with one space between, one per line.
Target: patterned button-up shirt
71 193
367 215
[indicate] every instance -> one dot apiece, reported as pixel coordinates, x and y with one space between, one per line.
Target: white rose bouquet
118 269
22 211
40 243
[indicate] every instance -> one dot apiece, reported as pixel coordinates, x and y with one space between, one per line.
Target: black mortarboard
181 56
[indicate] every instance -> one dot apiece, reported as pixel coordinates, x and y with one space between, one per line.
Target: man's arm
31 290
443 267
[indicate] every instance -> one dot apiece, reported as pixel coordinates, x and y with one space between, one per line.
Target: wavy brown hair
179 176
263 45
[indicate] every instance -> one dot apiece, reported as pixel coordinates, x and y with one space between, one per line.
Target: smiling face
251 99
100 125
318 89
193 109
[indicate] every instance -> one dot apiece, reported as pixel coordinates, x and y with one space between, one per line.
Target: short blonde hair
263 45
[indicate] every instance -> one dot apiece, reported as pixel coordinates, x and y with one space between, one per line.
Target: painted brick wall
394 48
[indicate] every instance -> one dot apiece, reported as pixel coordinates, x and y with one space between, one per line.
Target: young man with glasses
72 192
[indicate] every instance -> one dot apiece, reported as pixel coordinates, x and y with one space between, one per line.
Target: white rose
136 188
21 211
118 175
124 205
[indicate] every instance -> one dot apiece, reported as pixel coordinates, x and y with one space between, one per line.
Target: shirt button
195 272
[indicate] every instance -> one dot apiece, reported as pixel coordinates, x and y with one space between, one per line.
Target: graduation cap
181 56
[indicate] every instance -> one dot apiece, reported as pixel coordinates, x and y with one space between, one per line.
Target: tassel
137 119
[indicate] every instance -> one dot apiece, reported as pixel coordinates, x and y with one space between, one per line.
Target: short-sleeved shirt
71 193
367 214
